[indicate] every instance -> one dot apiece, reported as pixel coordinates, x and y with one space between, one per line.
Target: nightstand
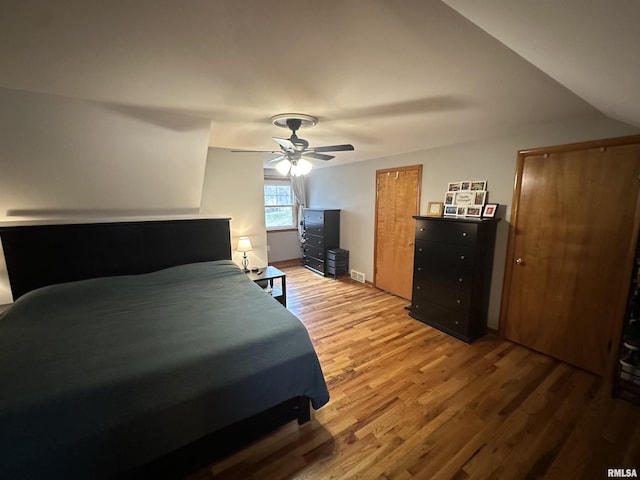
267 276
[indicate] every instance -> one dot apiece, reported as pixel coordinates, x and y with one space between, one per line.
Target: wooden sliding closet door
573 226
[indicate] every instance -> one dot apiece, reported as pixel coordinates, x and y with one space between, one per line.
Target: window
279 208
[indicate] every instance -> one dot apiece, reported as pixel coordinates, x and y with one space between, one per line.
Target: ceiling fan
293 150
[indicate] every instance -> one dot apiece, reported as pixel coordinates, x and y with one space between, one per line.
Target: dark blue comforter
101 375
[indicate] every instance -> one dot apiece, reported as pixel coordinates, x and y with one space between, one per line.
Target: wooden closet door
572 228
397 200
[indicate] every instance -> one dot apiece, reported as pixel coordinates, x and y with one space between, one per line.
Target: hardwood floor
409 402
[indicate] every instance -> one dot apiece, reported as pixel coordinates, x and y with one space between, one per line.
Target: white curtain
297 185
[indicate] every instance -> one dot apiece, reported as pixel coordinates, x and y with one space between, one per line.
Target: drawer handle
461 257
418 287
458 302
460 280
417 306
420 249
422 229
464 234
419 269
457 322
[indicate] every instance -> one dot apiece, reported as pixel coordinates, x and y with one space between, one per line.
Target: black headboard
40 255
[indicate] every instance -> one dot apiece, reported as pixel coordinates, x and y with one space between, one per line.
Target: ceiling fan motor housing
300 144
294 124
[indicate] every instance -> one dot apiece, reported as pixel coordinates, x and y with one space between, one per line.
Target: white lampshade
283 166
244 245
298 167
304 166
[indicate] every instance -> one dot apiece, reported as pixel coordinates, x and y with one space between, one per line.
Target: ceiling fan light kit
293 148
298 167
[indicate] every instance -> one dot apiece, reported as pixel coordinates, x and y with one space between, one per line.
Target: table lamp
244 246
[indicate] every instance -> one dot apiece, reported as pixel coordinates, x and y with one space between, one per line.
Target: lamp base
245 263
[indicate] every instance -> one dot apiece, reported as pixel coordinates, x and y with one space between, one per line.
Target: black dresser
321 233
453 259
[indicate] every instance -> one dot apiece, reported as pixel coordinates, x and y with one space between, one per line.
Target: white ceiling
387 76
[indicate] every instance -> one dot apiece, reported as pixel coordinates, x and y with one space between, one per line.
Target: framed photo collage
467 199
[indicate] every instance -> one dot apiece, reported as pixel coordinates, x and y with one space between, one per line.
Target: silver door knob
519 261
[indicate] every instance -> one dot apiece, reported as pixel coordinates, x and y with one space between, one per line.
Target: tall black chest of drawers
453 259
321 233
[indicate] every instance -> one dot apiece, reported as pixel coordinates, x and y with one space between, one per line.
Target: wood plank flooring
409 402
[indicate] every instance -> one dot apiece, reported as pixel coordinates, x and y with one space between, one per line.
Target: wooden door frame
620 302
375 221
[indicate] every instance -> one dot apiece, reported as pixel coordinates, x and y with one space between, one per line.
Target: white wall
284 245
351 187
234 187
61 157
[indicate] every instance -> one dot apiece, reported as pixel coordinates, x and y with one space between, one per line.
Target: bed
129 341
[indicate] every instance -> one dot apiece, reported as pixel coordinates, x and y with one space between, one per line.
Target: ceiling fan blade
278 158
318 156
285 143
334 148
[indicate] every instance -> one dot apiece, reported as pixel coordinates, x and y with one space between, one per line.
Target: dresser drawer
462 282
314 263
336 263
338 254
458 233
315 252
449 320
336 271
458 299
315 229
313 217
314 241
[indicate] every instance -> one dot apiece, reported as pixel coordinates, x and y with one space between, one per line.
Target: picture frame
435 209
478 185
490 210
464 198
474 211
480 197
465 185
449 198
453 186
450 210
461 211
